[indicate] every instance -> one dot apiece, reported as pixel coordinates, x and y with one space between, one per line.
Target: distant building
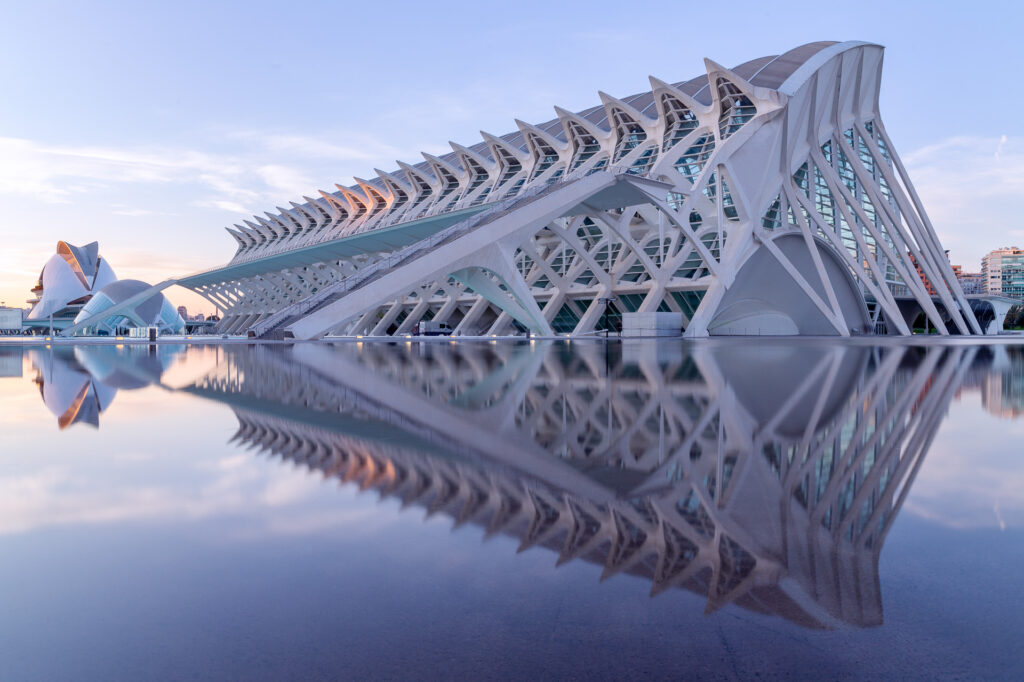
77 283
924 278
155 311
970 282
183 311
973 283
1003 272
66 283
11 319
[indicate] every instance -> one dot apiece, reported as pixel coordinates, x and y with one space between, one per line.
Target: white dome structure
154 311
66 283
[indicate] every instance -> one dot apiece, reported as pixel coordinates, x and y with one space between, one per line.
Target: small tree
1015 317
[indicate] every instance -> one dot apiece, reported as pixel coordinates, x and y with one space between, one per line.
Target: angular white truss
765 199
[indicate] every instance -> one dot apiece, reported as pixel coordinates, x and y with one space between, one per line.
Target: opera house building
77 286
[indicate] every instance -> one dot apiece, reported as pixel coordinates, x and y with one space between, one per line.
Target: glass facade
148 313
1003 272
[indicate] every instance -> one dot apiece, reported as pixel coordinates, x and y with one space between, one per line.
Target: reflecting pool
711 510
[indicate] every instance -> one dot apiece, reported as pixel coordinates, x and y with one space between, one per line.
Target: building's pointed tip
657 83
714 67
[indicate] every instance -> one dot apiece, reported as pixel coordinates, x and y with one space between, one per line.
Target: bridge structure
683 469
763 199
988 310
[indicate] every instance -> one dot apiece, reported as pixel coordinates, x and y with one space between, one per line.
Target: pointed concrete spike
657 83
730 75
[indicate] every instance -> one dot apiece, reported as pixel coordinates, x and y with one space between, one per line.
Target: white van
432 329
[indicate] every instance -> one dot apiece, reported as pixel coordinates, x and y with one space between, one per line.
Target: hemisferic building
763 199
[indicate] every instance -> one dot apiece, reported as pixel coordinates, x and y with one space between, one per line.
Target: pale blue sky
150 127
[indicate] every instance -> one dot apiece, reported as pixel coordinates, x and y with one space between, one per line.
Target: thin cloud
263 169
133 212
223 205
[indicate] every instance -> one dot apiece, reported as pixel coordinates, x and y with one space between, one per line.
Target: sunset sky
150 127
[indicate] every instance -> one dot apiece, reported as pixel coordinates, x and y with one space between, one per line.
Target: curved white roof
71 274
368 196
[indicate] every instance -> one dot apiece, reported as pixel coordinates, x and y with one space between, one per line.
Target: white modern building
1002 271
78 291
766 198
67 282
99 315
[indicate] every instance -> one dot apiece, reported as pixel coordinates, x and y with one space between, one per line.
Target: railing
378 267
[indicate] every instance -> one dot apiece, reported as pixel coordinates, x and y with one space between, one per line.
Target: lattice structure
676 470
763 199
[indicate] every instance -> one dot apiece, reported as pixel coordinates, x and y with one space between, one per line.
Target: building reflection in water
77 383
764 476
999 377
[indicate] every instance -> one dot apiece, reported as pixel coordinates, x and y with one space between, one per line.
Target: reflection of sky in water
149 544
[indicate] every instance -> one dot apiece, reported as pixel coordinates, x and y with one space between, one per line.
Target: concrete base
652 324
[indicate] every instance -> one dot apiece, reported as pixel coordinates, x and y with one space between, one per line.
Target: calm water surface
500 510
